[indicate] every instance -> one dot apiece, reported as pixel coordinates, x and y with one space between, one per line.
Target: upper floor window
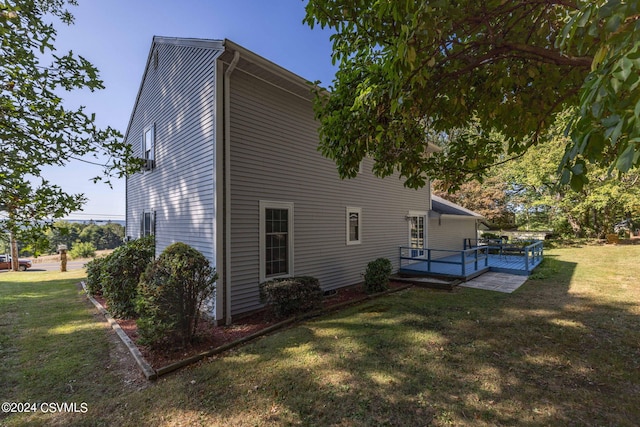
148 147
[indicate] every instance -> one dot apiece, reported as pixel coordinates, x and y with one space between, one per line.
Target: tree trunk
15 264
575 226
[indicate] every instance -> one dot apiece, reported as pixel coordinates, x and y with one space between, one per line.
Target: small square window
354 226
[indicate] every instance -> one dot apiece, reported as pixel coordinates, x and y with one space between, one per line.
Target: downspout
227 184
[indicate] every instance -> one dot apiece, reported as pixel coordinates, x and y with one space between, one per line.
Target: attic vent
155 59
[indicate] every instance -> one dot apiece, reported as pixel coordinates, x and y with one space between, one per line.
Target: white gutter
227 184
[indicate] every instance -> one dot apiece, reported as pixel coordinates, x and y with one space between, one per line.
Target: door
417 235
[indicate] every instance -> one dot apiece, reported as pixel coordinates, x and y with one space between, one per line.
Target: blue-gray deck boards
512 264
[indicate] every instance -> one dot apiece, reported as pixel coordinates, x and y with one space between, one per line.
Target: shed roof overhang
441 207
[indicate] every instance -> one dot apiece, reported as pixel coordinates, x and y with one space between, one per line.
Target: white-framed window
148 143
354 226
276 240
147 223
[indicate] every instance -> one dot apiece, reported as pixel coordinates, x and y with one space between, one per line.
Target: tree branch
550 56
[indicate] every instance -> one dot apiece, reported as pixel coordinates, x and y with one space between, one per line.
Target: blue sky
115 35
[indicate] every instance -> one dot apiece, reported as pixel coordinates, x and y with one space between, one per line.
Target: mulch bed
210 336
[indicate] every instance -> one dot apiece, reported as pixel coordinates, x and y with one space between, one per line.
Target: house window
276 240
148 147
354 226
147 223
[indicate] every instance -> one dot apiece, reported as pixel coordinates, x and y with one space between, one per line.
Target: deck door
417 233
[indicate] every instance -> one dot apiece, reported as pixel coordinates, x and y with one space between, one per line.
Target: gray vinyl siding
179 97
449 232
274 157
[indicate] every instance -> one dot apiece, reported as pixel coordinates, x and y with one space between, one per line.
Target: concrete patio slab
494 281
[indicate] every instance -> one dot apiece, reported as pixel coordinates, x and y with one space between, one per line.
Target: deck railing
474 243
532 253
478 256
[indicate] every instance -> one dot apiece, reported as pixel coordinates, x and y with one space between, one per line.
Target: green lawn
562 350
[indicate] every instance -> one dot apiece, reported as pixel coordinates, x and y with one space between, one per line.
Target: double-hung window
147 223
276 240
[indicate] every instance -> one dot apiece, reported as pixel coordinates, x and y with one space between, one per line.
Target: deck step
429 282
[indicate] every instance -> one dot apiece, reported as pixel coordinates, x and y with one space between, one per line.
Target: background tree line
106 236
527 192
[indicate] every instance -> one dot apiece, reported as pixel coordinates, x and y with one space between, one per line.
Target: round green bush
292 296
172 291
121 275
376 277
82 250
94 270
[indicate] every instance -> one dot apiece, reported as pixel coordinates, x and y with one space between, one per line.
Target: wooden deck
467 264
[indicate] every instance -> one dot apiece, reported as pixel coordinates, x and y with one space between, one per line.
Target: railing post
464 264
428 260
475 253
526 258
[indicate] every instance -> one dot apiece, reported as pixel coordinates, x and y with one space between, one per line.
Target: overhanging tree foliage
409 68
606 132
535 191
36 129
530 189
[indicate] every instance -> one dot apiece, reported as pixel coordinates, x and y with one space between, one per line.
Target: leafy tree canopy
36 129
529 189
413 68
602 201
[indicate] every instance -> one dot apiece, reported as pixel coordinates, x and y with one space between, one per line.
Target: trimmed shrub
82 250
376 278
292 296
171 293
121 274
94 269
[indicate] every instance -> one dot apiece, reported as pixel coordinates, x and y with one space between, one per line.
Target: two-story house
233 170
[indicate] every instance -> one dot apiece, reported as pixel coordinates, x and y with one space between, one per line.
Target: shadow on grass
540 356
547 354
50 343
